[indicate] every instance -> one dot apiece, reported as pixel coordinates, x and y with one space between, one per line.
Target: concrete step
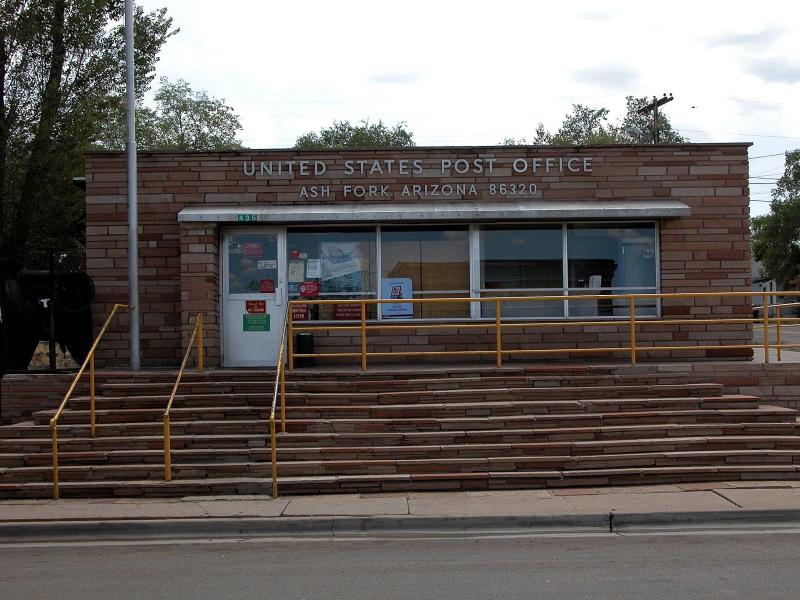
256 394
444 451
405 466
300 441
479 480
372 384
429 410
763 414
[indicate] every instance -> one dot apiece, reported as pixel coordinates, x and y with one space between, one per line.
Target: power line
768 155
783 137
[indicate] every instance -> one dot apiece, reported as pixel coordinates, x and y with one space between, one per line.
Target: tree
181 120
586 126
344 135
62 67
776 236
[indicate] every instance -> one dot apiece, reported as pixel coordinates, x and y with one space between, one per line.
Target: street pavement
661 565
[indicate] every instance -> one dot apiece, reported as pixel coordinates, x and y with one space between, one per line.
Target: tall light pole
133 216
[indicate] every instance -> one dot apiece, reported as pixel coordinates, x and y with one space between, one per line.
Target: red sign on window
300 312
308 289
252 250
267 286
347 312
255 306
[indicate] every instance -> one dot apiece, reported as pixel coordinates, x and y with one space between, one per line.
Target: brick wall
179 265
22 395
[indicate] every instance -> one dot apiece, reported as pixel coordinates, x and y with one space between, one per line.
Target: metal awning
452 211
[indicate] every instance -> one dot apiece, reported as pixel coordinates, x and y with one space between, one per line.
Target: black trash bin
304 344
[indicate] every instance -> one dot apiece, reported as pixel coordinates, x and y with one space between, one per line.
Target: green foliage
366 135
776 236
181 120
62 67
586 126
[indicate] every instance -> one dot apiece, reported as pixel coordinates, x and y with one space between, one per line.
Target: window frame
474 257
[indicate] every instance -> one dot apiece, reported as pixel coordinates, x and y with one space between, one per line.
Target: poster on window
396 289
341 266
297 271
313 268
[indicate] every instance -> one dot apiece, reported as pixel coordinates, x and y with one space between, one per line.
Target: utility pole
133 220
653 106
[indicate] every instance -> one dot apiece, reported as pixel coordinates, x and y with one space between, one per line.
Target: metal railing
778 320
89 360
499 324
280 385
197 332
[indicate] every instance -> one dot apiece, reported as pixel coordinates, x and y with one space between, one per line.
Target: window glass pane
517 257
611 307
252 263
330 265
619 256
435 259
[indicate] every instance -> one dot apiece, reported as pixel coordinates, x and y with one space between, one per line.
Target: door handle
278 296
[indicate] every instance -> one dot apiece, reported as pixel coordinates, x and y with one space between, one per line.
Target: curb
237 527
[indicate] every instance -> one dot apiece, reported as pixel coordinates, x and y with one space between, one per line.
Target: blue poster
396 289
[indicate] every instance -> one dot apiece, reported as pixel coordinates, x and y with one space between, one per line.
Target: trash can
304 344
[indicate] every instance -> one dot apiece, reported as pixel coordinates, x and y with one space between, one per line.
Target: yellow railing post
778 330
54 450
283 396
290 340
498 334
632 310
196 331
91 395
274 444
766 328
363 336
200 342
167 450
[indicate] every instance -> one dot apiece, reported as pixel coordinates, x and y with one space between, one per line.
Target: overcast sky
474 73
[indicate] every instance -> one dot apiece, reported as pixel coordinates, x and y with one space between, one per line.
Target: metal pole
200 342
133 217
766 327
498 334
363 336
632 316
92 420
51 309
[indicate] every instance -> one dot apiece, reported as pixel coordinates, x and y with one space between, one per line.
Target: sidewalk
774 501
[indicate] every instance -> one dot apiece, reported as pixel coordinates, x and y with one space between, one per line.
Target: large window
436 262
560 259
331 265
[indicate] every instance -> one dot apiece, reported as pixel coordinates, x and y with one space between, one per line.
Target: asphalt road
675 565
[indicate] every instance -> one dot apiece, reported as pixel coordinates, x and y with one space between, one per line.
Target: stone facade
179 263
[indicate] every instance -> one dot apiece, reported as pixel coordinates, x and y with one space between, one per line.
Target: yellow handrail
280 384
197 332
631 320
89 360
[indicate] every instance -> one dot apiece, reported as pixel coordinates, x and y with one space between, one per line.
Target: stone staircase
439 428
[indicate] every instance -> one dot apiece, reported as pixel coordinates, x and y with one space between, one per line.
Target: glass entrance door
253 296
